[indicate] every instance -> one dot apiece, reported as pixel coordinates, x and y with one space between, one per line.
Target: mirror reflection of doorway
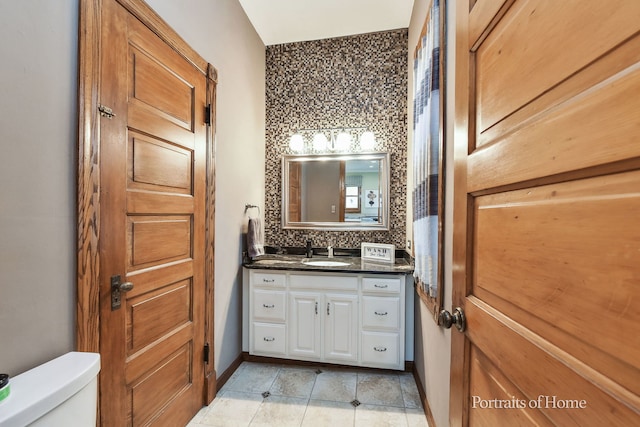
332 191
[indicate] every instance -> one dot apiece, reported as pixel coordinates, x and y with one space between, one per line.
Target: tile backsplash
352 81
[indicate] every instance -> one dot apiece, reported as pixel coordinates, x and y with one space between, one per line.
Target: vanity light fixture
343 141
320 141
339 140
367 140
296 143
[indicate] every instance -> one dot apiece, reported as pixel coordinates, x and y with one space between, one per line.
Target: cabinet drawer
269 338
303 281
268 279
381 349
382 285
381 312
269 305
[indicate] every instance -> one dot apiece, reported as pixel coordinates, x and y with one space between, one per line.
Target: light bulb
343 141
367 140
296 143
320 141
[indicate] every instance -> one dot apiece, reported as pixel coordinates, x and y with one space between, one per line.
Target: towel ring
248 206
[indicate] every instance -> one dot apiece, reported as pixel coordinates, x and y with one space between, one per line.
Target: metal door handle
117 287
126 286
458 319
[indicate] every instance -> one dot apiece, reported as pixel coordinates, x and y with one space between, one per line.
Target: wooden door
152 204
547 213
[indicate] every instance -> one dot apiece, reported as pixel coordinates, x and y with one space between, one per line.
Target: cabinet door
341 327
304 330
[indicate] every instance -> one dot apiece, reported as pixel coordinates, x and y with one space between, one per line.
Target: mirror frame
343 226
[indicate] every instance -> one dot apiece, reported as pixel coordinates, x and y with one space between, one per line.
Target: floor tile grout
275 379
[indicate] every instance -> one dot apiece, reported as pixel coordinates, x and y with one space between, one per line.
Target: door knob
117 287
126 286
458 319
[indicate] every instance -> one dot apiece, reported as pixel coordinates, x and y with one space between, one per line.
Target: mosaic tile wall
349 81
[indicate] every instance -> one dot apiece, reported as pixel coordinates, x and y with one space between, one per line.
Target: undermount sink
325 263
275 261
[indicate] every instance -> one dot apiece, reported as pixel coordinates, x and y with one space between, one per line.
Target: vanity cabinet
352 319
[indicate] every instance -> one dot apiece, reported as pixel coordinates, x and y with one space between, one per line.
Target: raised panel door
152 226
341 327
304 325
546 207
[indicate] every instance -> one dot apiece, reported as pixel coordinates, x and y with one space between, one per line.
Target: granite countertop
348 264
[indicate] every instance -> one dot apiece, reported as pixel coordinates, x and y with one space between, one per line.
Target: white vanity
351 318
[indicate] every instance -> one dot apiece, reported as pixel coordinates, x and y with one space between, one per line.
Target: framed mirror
335 191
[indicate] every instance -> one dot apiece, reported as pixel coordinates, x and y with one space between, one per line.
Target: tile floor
259 394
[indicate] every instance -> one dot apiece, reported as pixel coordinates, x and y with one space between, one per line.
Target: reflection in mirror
340 192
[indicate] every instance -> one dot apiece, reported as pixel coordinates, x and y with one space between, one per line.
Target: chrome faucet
330 251
309 249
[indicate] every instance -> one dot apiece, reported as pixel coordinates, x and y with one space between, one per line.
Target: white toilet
59 393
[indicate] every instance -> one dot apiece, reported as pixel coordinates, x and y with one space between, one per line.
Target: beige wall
37 181
432 343
37 166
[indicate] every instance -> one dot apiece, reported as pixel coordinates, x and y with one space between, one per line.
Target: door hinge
206 353
207 115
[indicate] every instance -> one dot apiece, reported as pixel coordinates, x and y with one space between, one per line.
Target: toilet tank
60 393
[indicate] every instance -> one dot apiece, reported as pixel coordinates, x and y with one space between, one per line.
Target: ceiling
287 21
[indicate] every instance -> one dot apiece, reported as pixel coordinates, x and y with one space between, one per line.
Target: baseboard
224 377
423 399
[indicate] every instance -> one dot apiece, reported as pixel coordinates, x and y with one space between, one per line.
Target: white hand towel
255 238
